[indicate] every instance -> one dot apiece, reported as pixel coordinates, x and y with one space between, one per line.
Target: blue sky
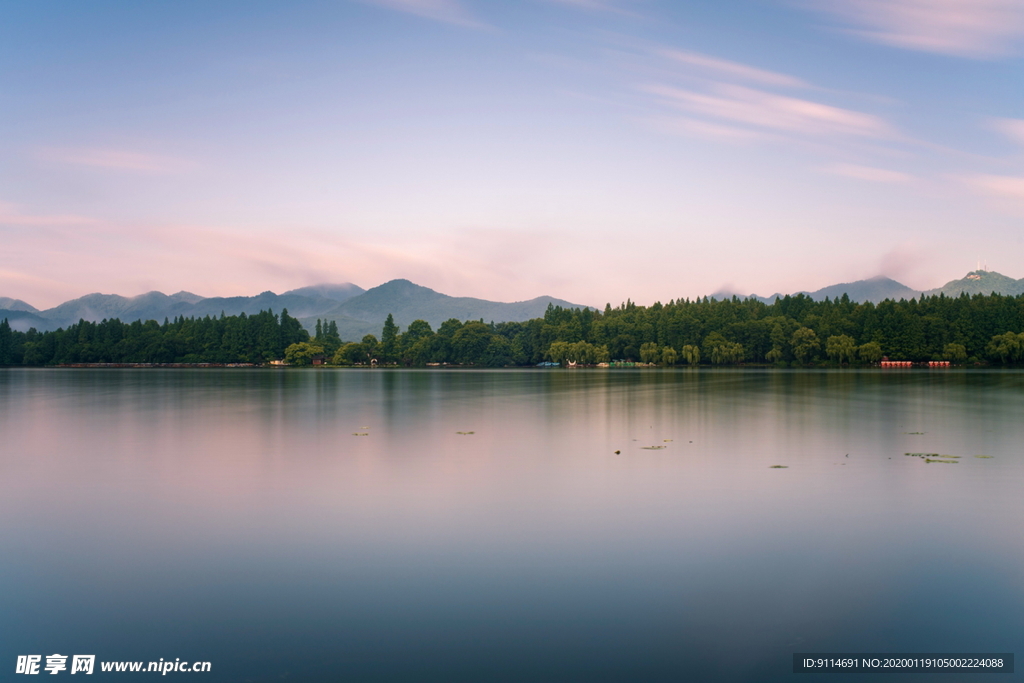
592 150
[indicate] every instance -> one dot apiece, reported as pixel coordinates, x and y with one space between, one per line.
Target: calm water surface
235 516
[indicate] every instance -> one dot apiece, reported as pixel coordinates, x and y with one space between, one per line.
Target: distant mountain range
880 288
359 312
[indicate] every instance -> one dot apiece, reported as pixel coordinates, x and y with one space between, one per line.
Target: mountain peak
9 304
980 282
334 292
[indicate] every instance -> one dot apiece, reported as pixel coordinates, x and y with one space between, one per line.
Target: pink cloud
968 28
1011 128
683 125
869 173
767 110
446 11
735 70
114 159
1005 187
11 215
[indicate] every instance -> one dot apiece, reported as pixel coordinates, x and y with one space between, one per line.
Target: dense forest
793 331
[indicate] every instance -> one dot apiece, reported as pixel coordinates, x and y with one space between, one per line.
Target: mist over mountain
880 288
359 312
9 304
406 301
339 293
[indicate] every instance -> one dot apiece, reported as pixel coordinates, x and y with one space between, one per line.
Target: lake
509 525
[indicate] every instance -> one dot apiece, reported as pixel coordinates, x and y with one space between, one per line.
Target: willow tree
691 354
840 347
805 344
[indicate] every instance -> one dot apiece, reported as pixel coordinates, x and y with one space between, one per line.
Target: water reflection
233 516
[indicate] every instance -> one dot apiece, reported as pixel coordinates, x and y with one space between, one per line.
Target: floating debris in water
779 467
465 433
952 462
923 455
986 457
653 448
667 440
364 427
360 434
913 432
617 452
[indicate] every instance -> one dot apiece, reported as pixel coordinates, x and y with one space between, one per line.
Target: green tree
691 354
669 356
558 352
805 344
871 352
389 340
349 354
1007 346
840 348
301 353
370 348
956 353
417 331
470 342
649 352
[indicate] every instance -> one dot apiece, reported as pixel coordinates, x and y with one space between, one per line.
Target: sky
592 150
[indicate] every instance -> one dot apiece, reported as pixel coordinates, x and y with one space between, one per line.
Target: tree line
791 331
228 339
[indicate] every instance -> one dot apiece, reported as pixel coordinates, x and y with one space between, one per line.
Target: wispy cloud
725 68
113 159
12 215
999 186
967 28
869 173
600 6
684 125
1011 128
761 109
447 11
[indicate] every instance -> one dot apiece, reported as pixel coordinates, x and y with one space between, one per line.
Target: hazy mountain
22 321
365 314
157 306
298 306
358 312
875 289
338 293
187 297
8 304
980 282
95 307
880 288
